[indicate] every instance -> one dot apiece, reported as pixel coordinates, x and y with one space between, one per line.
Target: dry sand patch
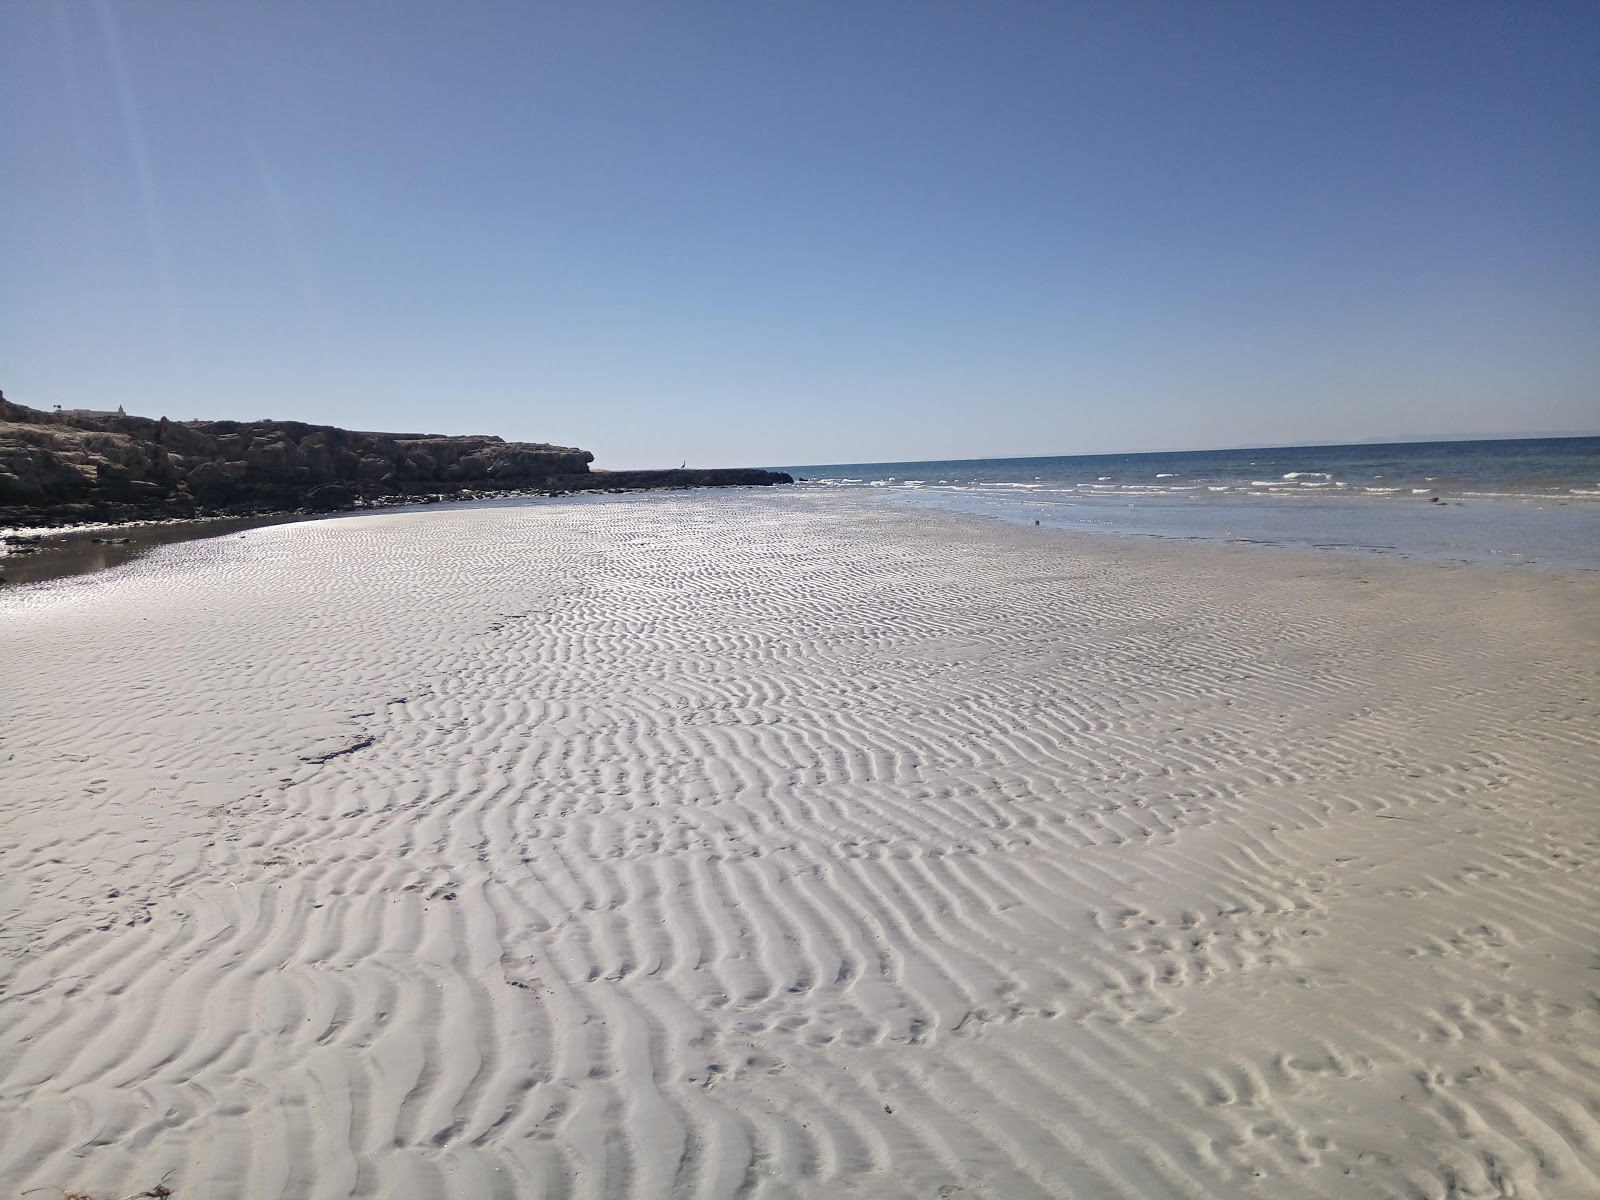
782 845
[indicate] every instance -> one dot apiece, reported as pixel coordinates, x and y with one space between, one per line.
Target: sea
1525 502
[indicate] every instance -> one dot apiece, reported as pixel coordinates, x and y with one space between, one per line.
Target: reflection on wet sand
43 555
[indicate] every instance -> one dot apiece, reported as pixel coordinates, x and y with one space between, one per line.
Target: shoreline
608 848
85 549
40 553
64 553
1511 533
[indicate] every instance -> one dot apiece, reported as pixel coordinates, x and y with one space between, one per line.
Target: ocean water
1526 502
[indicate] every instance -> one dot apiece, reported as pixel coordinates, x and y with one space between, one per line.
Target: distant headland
81 465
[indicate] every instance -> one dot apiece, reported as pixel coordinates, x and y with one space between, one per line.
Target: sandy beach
792 845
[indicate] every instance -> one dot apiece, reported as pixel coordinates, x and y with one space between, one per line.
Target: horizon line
1394 440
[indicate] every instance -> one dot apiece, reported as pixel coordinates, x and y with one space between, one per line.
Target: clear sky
815 231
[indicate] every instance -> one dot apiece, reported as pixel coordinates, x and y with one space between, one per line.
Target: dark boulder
330 497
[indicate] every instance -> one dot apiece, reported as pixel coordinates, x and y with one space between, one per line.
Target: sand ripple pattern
783 845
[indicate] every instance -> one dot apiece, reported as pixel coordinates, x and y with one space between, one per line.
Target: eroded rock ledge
81 465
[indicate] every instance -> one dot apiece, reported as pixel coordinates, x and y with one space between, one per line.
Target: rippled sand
773 845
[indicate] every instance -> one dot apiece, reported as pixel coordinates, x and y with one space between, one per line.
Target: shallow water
1526 502
62 553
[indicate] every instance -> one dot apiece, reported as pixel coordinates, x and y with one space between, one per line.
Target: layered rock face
85 458
61 458
111 466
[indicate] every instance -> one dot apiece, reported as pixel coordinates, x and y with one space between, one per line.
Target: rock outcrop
83 465
633 481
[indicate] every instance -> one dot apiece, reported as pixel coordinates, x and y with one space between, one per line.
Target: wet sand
62 554
781 844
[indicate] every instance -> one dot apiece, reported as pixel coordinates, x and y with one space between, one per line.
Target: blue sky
809 232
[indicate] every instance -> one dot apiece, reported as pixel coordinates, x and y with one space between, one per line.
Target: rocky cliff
83 465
